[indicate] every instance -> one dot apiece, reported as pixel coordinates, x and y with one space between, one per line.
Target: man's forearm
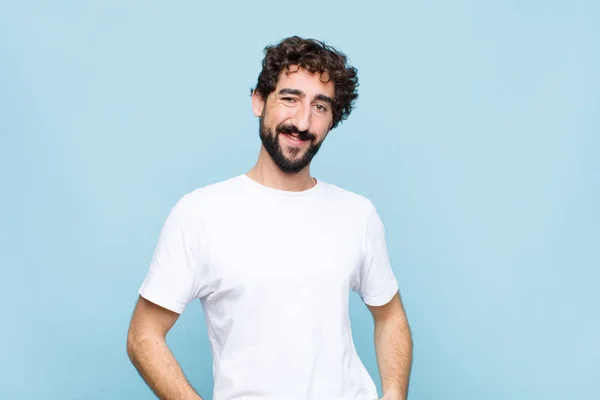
393 346
159 368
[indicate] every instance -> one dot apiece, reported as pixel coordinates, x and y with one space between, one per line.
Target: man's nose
302 118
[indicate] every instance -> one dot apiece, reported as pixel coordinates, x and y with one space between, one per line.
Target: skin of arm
147 349
393 347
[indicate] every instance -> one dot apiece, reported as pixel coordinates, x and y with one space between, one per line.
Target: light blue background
476 135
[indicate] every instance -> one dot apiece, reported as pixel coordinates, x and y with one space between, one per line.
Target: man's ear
258 104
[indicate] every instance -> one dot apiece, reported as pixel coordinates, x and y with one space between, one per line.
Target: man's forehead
292 69
302 79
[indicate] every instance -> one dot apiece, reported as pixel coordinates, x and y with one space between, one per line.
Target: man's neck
267 173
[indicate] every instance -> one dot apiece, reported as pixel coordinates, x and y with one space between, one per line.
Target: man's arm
393 346
148 351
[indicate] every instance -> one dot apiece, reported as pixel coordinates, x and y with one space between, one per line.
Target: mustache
289 129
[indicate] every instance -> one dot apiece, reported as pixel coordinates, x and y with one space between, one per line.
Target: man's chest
311 251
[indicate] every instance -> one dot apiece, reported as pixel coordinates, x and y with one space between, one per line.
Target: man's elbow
139 341
131 345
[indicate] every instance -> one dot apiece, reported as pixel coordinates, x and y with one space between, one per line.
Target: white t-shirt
273 270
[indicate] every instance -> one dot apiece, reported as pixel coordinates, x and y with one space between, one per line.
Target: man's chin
292 165
291 172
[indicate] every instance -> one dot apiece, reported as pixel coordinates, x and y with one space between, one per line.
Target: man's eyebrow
294 92
300 93
322 97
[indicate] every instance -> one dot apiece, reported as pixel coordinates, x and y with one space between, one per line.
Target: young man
273 254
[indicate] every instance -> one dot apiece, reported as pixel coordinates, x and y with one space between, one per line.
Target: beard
294 162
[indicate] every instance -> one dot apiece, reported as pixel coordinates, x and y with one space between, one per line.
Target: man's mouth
294 136
295 139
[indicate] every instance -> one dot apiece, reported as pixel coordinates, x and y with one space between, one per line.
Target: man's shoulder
210 194
347 198
223 187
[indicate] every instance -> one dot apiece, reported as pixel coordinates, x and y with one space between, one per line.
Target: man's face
295 118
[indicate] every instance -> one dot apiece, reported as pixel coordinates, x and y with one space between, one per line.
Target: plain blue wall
477 136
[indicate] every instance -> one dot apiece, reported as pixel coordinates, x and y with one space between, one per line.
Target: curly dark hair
316 57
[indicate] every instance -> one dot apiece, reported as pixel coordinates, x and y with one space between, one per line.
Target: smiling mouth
293 136
294 139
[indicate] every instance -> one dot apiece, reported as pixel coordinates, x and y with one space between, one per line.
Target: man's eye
321 107
288 99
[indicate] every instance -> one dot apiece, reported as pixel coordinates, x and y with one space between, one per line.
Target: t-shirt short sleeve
377 283
175 276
